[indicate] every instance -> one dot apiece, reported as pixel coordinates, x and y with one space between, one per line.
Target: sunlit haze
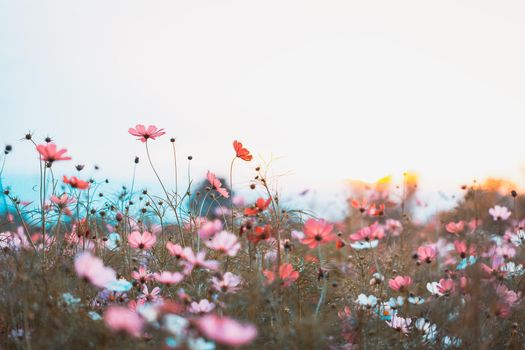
332 90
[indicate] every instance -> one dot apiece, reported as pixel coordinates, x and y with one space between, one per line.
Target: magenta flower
224 242
166 277
202 307
499 213
92 269
192 261
369 233
400 283
427 254
217 185
210 228
445 286
317 232
175 250
142 275
49 153
226 331
119 318
144 134
145 240
229 283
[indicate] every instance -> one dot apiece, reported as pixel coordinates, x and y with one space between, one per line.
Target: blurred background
324 91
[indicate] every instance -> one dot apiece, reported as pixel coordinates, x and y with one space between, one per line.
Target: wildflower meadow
201 267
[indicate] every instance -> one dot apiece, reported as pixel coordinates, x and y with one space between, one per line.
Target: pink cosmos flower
500 213
445 286
229 283
144 134
210 228
217 185
400 283
317 232
286 274
202 307
394 227
119 318
509 297
49 153
175 250
62 202
224 242
192 261
166 277
400 324
226 331
463 250
142 275
145 240
455 227
369 233
427 254
152 296
92 269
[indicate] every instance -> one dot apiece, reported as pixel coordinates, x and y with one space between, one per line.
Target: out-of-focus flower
445 286
400 324
426 254
400 283
455 227
241 152
224 242
260 205
144 134
286 274
141 275
49 152
229 283
210 228
141 241
226 331
146 295
394 227
366 301
199 260
92 269
499 213
369 233
317 232
175 250
202 307
217 185
75 182
169 278
463 250
119 318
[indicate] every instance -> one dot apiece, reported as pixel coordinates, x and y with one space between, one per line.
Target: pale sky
336 89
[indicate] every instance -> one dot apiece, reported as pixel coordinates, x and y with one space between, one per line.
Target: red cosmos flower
75 182
376 210
260 206
362 206
426 254
455 227
261 233
144 133
49 152
286 274
400 282
241 152
317 232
